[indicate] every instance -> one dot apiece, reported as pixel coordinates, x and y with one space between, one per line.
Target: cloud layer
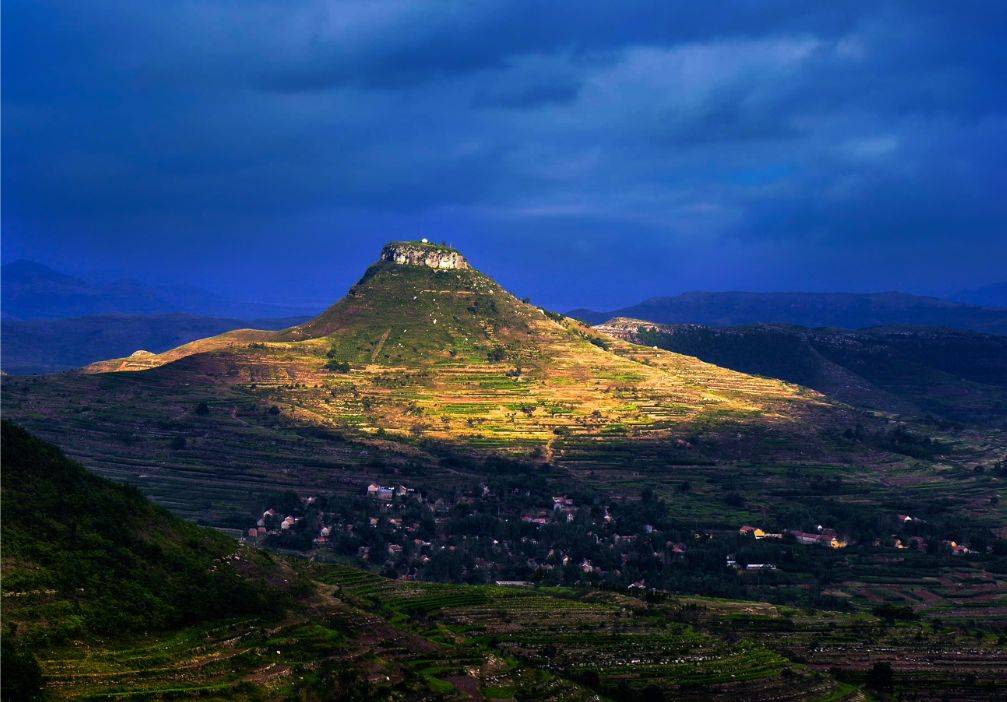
585 153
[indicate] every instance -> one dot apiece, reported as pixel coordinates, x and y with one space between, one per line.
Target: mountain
843 310
425 358
429 375
52 345
994 295
107 596
957 375
33 291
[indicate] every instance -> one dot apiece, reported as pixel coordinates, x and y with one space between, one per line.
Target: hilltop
843 310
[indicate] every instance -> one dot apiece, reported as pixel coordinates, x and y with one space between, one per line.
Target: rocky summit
422 253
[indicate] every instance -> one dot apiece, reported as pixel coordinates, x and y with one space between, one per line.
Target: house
823 537
372 489
958 549
748 530
760 566
586 567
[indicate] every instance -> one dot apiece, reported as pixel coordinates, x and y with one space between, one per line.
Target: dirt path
381 345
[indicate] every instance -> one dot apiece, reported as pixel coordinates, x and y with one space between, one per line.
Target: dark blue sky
583 153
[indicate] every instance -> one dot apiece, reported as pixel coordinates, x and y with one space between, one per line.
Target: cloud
720 138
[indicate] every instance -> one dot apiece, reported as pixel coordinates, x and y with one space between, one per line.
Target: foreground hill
844 310
52 345
93 610
956 375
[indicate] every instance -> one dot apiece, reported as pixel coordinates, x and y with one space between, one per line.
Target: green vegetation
83 555
343 633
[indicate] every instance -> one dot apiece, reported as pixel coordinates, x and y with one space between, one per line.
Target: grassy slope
81 554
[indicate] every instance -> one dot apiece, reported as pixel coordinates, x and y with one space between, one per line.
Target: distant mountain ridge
994 295
843 310
31 290
53 345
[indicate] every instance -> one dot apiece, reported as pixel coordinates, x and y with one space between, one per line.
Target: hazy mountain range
33 291
52 345
843 310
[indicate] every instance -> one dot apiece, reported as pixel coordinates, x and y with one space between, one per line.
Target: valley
294 629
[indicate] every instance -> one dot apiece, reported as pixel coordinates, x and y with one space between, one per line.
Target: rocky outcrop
423 254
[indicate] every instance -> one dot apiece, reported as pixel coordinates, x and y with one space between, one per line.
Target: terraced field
613 643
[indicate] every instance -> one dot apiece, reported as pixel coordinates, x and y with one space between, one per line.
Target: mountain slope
845 310
446 353
82 555
954 374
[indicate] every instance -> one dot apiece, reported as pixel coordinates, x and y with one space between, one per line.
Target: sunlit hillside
418 351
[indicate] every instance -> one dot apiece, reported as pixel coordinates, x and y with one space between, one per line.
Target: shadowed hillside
956 375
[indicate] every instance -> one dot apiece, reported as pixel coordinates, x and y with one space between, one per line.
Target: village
516 532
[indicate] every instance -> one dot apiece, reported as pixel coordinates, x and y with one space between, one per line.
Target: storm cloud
583 153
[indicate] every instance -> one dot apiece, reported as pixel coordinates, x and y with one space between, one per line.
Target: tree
496 354
22 676
880 676
202 409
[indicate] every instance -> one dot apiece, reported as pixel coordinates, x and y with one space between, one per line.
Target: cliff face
420 254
